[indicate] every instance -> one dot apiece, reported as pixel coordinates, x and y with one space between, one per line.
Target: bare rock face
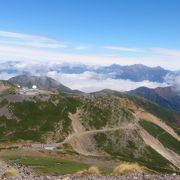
5 86
4 111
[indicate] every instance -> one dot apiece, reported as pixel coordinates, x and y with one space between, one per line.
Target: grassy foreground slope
47 165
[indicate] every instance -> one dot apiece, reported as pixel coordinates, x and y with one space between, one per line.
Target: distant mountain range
165 97
137 72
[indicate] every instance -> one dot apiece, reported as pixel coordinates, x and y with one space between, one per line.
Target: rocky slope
6 87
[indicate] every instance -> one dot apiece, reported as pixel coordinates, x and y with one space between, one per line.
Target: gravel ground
91 177
26 174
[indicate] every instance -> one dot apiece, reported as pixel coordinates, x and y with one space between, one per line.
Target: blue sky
92 31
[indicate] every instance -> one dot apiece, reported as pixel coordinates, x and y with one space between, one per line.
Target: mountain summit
41 82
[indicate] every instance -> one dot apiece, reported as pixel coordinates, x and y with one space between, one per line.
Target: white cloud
83 47
24 36
173 53
87 81
26 47
41 55
173 79
20 39
35 44
90 82
6 76
117 48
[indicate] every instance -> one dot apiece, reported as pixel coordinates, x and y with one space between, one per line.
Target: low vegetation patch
10 173
94 170
127 168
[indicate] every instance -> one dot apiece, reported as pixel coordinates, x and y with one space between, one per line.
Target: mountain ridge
163 96
136 72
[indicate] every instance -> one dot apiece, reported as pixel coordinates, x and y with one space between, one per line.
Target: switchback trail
82 141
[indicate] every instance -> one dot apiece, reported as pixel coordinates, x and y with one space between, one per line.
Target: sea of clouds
87 81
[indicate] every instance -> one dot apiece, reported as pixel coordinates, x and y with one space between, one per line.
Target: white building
34 87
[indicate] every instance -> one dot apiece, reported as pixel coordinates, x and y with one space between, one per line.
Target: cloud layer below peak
84 79
90 82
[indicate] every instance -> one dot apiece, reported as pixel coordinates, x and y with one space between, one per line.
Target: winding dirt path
82 141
